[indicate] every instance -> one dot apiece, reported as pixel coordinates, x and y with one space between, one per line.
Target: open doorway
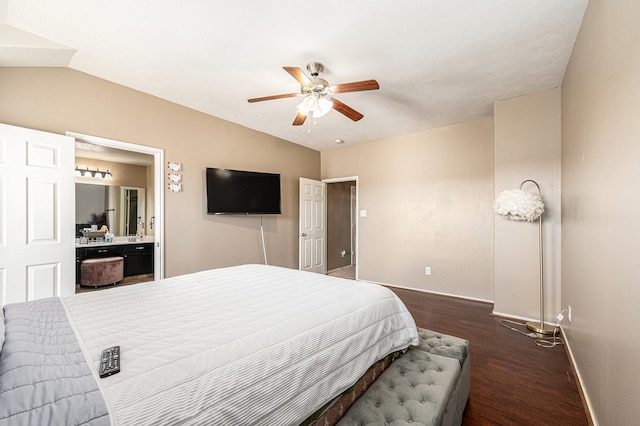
342 227
149 219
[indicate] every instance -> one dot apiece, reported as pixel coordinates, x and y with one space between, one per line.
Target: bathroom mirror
121 208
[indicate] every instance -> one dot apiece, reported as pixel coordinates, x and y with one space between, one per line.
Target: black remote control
110 361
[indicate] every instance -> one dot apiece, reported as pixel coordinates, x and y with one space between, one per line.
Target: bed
244 345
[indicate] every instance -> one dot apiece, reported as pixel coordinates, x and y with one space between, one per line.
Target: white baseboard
583 392
457 296
516 317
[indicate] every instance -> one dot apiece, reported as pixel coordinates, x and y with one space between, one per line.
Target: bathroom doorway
342 227
128 154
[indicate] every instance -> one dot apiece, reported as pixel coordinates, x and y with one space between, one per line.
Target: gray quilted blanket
44 378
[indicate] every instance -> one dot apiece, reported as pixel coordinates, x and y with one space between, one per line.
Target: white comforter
246 345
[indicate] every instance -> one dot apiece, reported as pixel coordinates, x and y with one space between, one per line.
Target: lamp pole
540 327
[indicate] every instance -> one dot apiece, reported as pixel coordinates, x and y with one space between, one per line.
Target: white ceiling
100 152
437 62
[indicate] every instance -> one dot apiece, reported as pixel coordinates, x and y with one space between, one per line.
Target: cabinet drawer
103 251
136 248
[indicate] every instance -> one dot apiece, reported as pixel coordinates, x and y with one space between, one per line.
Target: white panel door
312 225
37 214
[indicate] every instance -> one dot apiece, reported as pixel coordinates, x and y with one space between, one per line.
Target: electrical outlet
427 270
569 313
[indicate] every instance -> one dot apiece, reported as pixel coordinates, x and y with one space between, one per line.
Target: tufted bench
427 385
101 271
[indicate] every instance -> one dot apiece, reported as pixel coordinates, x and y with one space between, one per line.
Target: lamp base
539 328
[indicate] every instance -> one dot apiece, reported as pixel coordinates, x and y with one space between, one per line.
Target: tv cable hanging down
264 249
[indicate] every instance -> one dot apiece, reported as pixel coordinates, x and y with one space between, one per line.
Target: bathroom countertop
117 241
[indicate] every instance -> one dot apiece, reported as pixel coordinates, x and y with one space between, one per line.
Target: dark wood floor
513 381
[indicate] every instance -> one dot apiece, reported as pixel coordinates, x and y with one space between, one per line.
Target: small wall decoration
174 178
174 167
175 187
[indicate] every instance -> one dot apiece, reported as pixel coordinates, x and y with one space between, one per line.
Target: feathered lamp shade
520 204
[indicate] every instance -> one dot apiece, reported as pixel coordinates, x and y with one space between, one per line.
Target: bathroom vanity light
90 173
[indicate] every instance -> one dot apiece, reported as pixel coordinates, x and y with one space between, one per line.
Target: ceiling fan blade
346 110
269 98
357 86
299 75
299 120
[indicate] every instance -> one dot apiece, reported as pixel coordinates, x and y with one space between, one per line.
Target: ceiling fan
318 94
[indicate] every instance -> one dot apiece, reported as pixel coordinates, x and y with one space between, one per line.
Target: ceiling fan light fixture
308 104
324 106
314 104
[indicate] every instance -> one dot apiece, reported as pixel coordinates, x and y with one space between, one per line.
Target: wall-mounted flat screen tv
242 192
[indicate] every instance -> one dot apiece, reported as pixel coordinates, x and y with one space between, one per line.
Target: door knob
303 234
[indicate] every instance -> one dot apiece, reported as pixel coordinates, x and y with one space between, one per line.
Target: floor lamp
518 204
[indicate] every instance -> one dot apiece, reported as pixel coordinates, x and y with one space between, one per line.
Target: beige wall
600 204
428 200
59 99
527 146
